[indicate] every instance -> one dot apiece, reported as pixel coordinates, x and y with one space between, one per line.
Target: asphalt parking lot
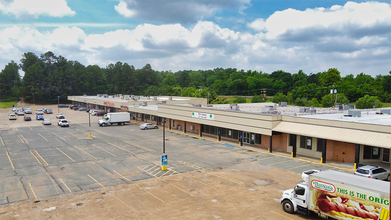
39 162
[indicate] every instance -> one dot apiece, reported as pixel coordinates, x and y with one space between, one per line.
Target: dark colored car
82 109
100 113
62 106
72 106
27 118
76 108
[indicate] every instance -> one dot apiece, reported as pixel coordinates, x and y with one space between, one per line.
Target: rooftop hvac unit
145 103
312 111
140 104
99 95
119 95
235 108
197 106
164 102
170 98
110 96
383 111
105 96
126 97
303 109
352 113
282 104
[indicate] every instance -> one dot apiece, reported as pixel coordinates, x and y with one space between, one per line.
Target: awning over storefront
376 139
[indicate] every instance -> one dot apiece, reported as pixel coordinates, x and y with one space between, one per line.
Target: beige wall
255 123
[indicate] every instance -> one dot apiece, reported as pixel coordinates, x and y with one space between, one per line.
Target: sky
173 35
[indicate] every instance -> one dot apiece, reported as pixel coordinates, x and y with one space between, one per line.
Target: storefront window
371 152
258 138
306 142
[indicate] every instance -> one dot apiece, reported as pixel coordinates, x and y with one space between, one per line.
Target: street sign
164 160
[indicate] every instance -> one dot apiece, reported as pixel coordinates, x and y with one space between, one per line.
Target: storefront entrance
386 155
248 138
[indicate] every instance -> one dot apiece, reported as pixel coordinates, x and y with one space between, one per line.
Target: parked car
373 172
82 109
28 111
12 117
62 106
87 110
63 123
146 126
100 113
39 112
46 121
76 107
27 118
49 111
14 109
60 116
39 117
44 110
20 113
93 112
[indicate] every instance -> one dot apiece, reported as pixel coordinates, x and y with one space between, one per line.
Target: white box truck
338 195
115 118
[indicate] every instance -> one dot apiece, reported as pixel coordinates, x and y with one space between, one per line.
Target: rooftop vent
126 97
234 107
199 106
383 111
352 113
282 104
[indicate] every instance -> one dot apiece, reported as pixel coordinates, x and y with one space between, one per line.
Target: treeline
48 76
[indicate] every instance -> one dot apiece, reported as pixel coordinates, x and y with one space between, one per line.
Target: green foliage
339 98
7 104
331 77
220 100
279 97
257 99
368 102
240 99
300 102
314 102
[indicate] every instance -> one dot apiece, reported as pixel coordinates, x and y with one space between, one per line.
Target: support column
271 144
324 142
357 157
184 128
219 132
169 124
201 127
294 147
240 138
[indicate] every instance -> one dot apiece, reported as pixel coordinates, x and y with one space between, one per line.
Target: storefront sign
124 107
109 103
202 115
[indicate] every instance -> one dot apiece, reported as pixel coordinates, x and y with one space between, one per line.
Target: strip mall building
328 134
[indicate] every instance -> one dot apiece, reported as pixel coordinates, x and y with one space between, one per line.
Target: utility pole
332 97
263 94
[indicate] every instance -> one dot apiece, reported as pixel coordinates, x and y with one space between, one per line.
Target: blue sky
262 35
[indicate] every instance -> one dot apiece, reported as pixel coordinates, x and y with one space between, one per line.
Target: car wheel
155 127
287 206
145 128
388 177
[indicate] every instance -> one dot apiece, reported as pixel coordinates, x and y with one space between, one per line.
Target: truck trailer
338 195
115 118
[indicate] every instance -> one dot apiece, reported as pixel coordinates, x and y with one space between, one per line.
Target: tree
240 99
170 80
331 77
279 97
9 82
257 99
368 102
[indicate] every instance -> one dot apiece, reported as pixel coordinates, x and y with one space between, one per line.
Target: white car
63 123
373 172
39 112
60 116
12 117
28 111
146 126
46 121
14 109
94 112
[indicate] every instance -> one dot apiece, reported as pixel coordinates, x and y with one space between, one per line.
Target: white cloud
29 8
176 11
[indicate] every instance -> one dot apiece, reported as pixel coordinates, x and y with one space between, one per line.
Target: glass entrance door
386 155
248 138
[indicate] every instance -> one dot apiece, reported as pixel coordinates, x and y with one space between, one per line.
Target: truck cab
296 200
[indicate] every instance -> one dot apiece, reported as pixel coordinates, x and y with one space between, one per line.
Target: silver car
146 126
46 121
374 172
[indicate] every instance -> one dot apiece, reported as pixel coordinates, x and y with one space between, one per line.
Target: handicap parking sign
164 160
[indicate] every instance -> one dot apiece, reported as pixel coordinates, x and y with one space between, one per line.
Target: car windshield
362 171
64 121
105 118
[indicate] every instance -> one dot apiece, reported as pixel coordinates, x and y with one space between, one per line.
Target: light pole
89 123
164 156
58 104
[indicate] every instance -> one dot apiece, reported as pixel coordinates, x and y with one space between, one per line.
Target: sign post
164 156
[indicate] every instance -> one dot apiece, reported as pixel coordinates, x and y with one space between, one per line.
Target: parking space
38 162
